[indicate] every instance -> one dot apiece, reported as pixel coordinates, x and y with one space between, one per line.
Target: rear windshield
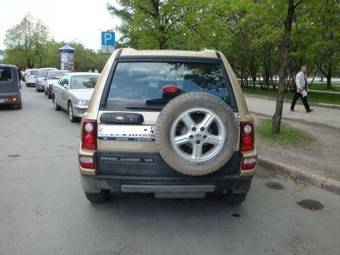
43 72
139 84
83 81
56 74
5 74
33 72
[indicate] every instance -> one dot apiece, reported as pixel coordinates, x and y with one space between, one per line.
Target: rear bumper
39 86
148 173
6 98
31 81
134 184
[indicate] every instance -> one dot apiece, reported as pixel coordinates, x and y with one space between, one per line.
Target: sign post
108 40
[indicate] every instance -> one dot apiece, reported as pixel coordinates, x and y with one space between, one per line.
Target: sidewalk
321 157
320 115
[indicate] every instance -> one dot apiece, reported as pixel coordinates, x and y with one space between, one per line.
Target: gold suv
171 123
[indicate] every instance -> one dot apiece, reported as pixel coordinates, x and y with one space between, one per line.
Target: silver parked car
73 93
42 78
53 77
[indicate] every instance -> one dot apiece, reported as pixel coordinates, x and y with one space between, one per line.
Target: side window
63 81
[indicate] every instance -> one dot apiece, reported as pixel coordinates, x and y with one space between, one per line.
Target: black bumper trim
235 184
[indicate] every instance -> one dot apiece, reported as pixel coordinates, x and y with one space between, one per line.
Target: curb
298 174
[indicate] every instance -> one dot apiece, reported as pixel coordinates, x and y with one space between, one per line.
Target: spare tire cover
196 133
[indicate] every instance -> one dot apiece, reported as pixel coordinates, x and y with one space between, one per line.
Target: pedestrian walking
301 89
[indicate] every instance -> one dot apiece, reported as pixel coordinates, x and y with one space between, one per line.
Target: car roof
82 73
48 68
57 70
130 52
7 65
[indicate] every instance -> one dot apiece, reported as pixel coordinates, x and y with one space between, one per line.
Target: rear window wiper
138 107
157 101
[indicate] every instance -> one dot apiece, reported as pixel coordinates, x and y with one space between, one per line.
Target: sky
67 20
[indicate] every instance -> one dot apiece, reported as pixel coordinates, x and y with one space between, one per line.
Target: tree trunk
266 73
329 76
313 78
285 46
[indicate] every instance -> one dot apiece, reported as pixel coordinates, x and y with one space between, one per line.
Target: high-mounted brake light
170 89
89 135
247 137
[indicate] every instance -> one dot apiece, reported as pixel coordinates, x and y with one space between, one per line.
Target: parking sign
108 38
108 41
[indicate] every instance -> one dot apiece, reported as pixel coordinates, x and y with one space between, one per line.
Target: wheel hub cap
197 135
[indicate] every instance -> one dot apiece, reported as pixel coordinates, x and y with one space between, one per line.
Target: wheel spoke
182 139
196 151
207 121
187 120
213 139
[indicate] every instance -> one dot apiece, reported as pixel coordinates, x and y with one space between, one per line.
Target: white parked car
73 93
53 77
42 78
31 77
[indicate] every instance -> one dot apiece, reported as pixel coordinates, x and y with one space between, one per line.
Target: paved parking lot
43 210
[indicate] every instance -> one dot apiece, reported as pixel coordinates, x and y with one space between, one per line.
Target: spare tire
196 133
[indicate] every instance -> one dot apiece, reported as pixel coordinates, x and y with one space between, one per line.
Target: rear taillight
86 162
89 135
248 163
247 137
12 99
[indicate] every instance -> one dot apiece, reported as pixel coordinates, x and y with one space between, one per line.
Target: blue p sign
108 38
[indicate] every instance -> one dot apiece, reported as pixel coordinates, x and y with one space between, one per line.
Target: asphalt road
43 209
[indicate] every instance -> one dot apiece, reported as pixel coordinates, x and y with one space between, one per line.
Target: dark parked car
10 86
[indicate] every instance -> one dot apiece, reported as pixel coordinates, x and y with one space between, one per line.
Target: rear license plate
2 101
126 133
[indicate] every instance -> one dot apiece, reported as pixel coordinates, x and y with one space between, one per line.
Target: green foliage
25 41
155 24
27 46
249 32
321 86
287 135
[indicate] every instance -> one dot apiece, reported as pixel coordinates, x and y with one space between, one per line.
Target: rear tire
55 105
96 198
